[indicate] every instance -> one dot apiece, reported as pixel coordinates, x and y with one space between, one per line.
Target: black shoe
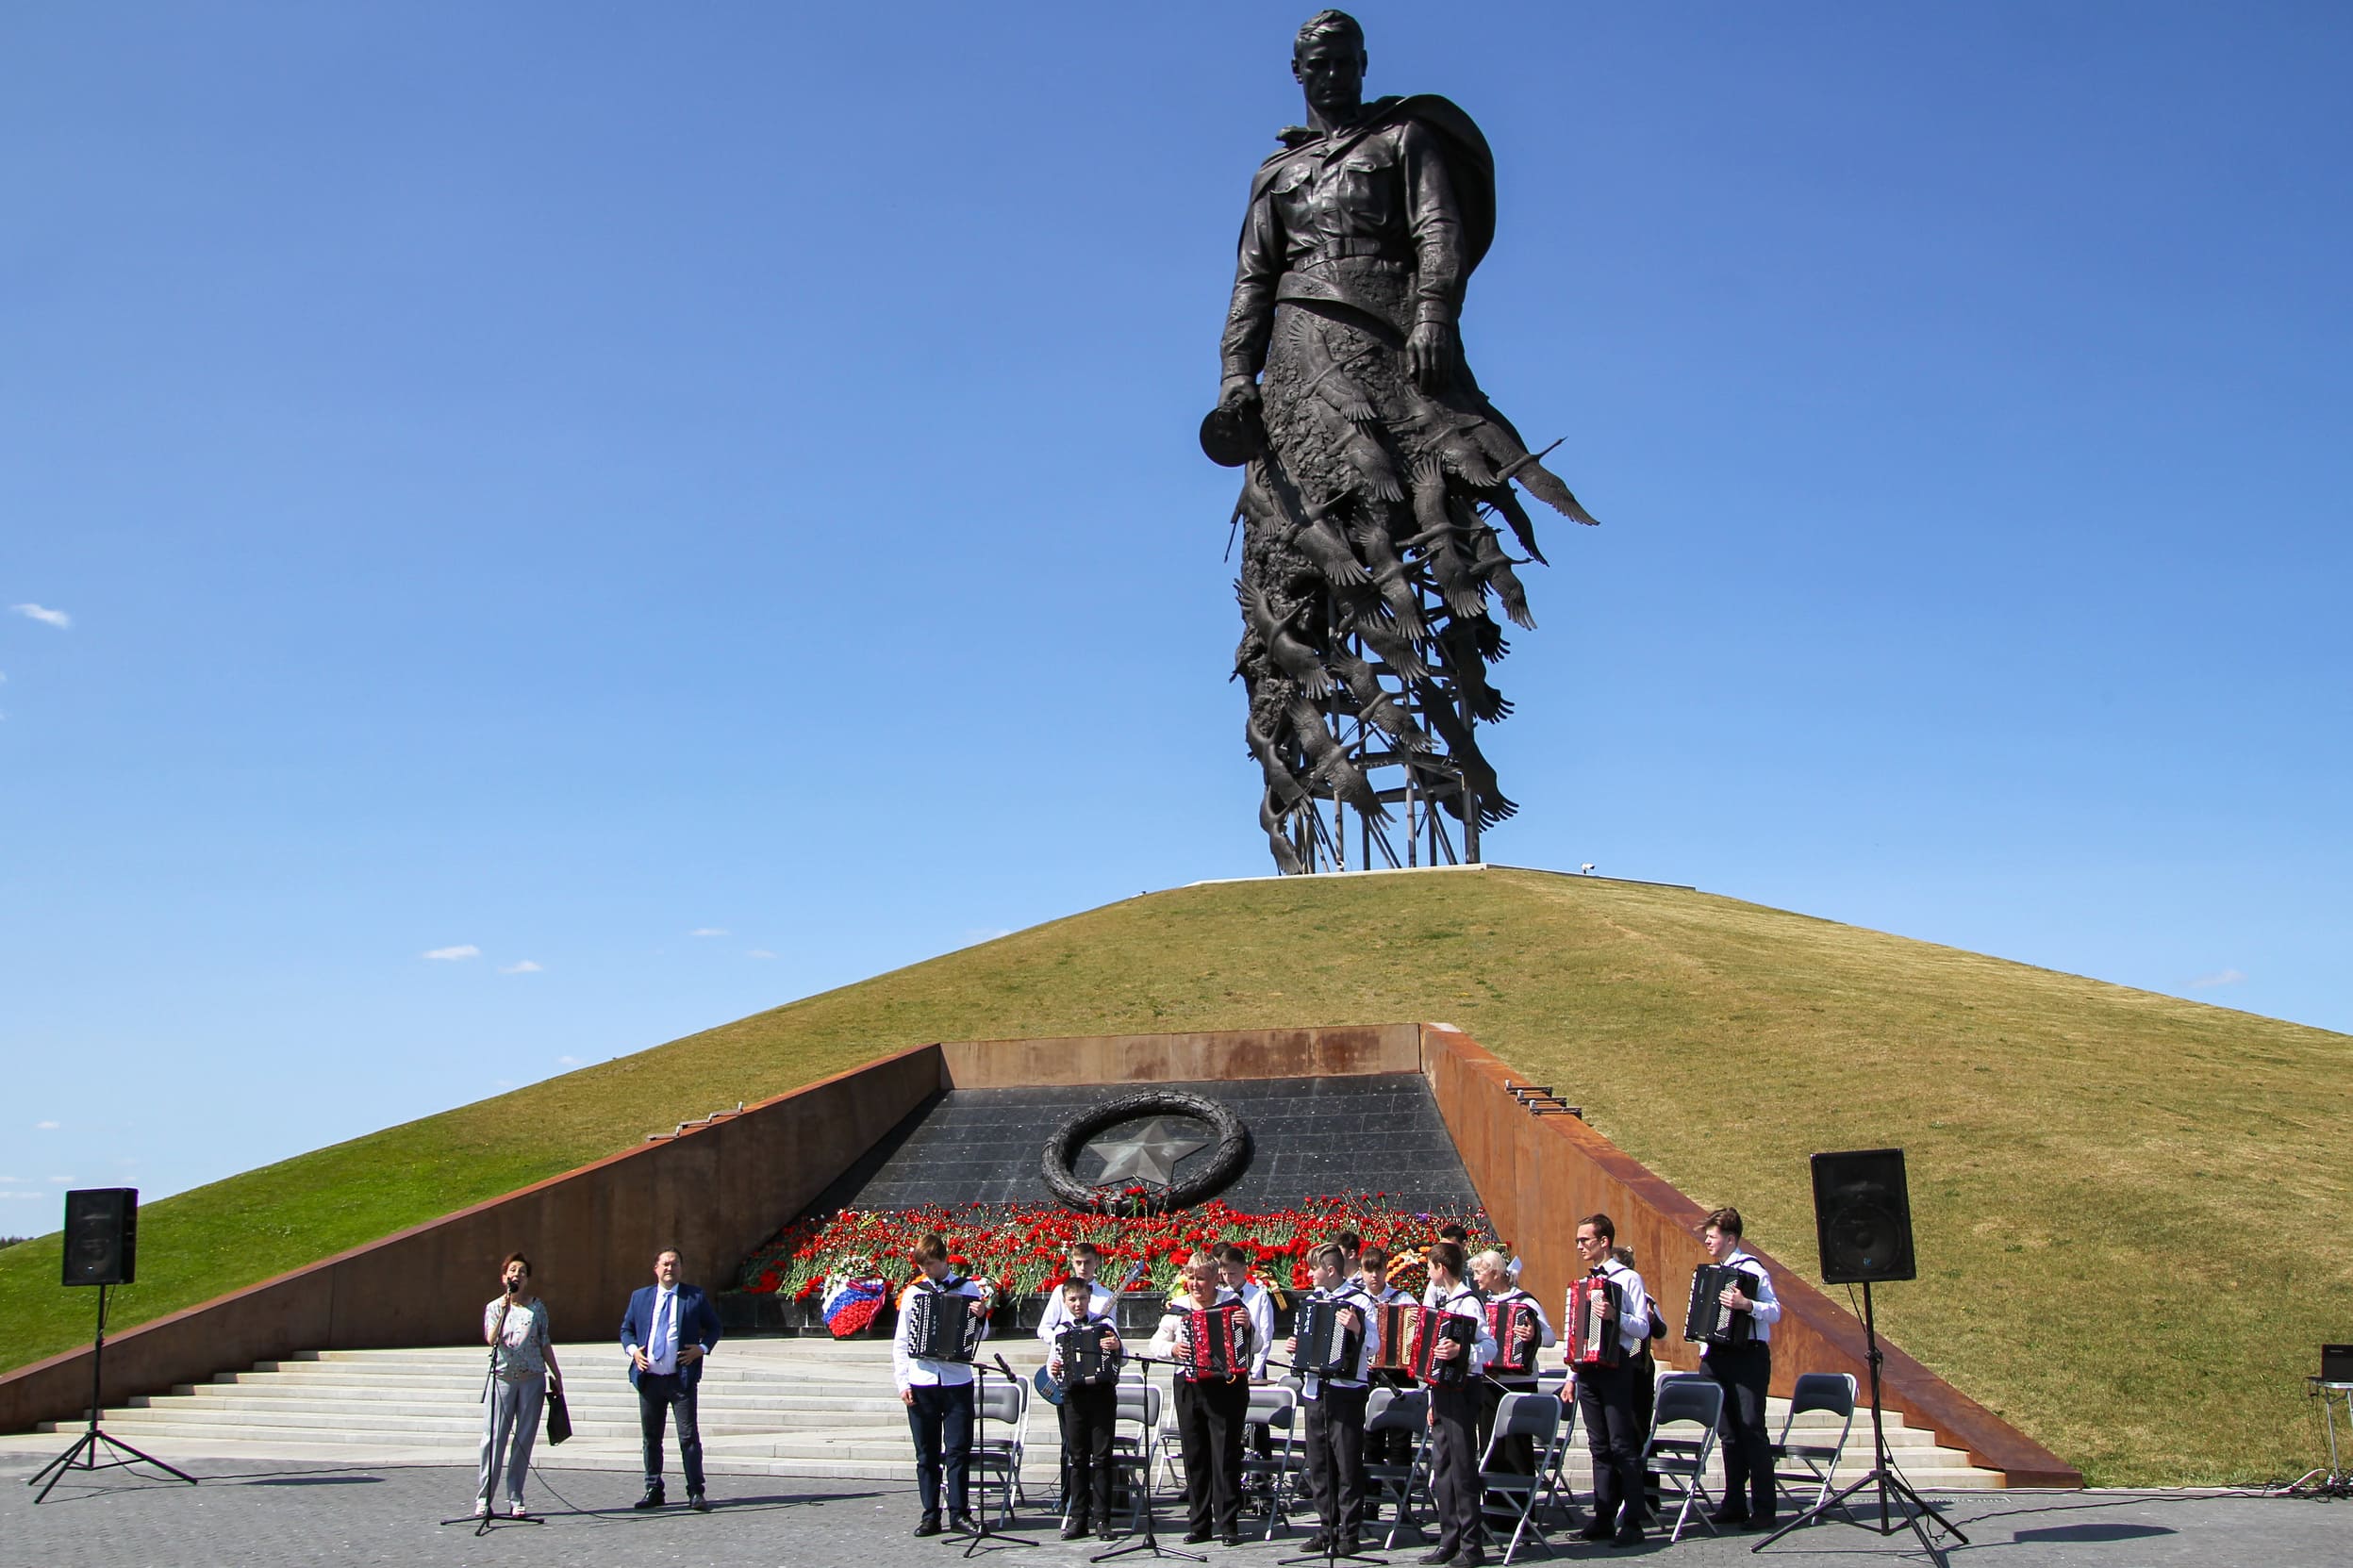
1350 1546
1194 1538
1317 1543
696 1501
1729 1516
928 1525
1470 1557
1627 1535
1596 1531
963 1524
1432 1560
1109 1532
653 1498
1764 1522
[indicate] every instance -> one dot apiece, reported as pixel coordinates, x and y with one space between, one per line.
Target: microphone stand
981 1534
1330 1553
1151 1544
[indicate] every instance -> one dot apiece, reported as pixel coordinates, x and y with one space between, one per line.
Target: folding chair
1815 1464
1132 1457
1393 1410
1275 1407
1683 1460
1506 1496
1170 1446
1006 1408
1557 1491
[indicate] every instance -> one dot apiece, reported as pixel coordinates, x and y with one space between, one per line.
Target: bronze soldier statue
1376 468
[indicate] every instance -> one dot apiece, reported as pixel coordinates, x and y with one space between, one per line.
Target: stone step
782 1406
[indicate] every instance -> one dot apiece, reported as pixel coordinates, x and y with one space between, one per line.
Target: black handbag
559 1416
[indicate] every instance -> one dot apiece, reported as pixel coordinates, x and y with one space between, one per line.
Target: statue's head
1327 57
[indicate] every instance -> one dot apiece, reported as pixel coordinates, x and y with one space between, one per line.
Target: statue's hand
1239 392
1430 355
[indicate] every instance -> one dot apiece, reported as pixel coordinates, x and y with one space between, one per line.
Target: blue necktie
660 1346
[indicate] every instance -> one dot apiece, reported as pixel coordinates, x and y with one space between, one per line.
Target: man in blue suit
668 1330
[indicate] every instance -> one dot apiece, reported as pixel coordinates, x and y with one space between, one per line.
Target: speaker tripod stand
1896 1495
84 1454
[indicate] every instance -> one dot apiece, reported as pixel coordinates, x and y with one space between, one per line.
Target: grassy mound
2123 1201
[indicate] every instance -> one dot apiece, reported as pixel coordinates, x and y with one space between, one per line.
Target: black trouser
941 1422
1605 1404
1518 1454
1209 1425
1744 1371
1088 1417
1335 1458
1454 1465
662 1395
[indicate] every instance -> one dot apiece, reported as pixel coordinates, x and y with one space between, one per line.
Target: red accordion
1592 1336
1217 1342
1425 1330
1505 1321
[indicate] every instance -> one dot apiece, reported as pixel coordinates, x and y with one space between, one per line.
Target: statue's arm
1250 320
1437 225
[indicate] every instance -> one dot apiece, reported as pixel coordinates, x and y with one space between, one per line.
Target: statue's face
1331 72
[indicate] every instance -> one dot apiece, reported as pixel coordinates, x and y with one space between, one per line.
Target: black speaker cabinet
1863 1217
102 1236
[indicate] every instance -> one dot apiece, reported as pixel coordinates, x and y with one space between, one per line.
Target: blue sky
688 509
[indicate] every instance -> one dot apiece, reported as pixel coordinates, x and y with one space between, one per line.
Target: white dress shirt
1259 1303
914 1371
1100 1303
1766 1308
1632 1323
1348 1294
1462 1301
1168 1341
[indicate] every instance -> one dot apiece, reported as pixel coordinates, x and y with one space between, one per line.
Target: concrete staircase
769 1406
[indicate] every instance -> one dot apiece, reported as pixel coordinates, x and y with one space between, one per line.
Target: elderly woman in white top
522 1366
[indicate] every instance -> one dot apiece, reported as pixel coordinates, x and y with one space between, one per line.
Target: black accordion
1326 1349
940 1325
1505 1322
1217 1342
1593 1339
1707 1319
1430 1327
1085 1362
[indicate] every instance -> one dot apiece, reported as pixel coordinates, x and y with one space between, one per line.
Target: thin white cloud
708 931
985 933
2220 977
451 955
758 953
60 1181
45 1127
567 1061
521 967
46 615
28 1195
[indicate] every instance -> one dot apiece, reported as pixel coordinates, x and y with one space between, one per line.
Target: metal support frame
2336 1479
84 1454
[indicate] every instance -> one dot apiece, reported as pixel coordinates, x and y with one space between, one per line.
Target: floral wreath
1223 1164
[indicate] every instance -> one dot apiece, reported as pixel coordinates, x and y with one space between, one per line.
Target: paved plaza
266 1515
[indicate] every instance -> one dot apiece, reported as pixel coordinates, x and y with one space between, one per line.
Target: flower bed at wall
1019 1247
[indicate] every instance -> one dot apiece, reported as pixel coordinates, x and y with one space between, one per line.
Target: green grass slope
2125 1202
